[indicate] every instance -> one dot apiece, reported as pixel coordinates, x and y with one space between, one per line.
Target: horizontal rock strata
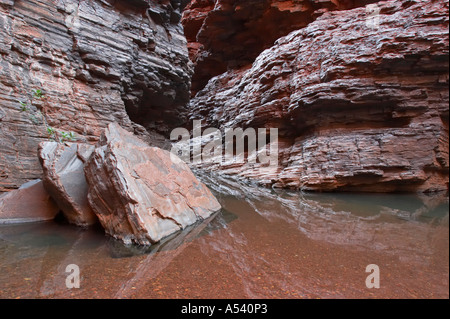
227 34
360 104
95 62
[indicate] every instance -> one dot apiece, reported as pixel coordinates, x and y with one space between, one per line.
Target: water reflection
363 220
48 247
408 231
263 244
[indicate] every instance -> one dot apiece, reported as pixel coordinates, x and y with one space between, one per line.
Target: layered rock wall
228 34
360 104
360 100
95 62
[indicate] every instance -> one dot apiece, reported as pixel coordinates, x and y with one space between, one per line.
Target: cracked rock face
142 194
63 166
96 62
358 108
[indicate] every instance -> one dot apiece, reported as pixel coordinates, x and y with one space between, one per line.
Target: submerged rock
142 194
29 203
63 166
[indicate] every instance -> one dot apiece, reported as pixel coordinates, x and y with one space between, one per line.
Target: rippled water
263 244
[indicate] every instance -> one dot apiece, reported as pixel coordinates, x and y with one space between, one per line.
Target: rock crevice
229 34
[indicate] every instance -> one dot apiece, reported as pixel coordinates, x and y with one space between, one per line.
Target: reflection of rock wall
360 221
358 108
266 252
96 62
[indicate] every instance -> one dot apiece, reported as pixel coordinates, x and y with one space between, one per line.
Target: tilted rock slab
142 194
63 166
29 203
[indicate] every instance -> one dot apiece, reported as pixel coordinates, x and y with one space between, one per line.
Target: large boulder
142 194
29 203
63 166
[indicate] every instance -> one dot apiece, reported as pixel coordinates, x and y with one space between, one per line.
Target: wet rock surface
359 107
63 166
142 194
29 203
96 62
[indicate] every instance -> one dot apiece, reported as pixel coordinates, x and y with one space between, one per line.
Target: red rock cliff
96 62
358 107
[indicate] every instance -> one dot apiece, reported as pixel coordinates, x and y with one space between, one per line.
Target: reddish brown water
262 245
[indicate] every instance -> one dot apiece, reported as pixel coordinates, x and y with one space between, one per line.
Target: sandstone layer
63 166
95 62
142 194
360 104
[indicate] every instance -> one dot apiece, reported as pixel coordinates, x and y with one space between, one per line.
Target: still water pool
263 244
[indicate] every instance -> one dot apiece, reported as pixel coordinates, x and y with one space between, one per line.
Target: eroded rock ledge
358 108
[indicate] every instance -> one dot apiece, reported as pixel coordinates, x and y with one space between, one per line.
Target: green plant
37 117
23 106
51 132
38 93
72 136
67 136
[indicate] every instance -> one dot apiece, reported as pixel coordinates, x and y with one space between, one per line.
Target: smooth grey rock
63 166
